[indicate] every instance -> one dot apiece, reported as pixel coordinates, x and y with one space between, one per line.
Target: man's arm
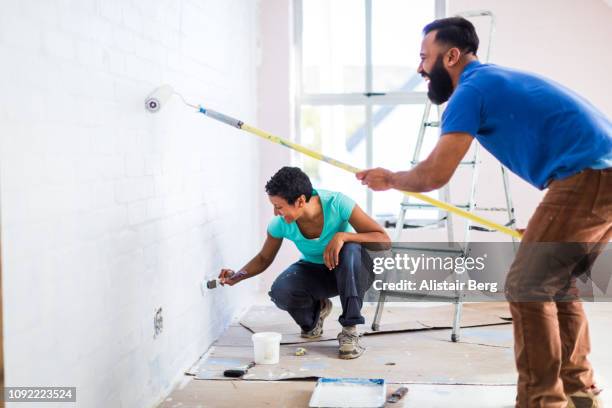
431 174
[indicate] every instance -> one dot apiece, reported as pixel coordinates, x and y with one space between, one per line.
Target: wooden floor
296 394
202 393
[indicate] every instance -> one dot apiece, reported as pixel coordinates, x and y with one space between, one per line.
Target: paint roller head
158 98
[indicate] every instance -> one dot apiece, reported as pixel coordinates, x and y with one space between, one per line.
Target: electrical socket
158 323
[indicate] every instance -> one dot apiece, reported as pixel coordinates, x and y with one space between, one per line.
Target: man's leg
353 278
576 371
571 212
537 350
595 229
300 289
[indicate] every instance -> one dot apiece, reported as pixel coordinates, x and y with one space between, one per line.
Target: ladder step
409 224
431 124
404 248
416 294
500 209
427 206
483 229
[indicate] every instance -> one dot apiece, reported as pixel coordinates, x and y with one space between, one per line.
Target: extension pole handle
321 157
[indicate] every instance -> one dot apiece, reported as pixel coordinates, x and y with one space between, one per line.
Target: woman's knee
354 269
350 251
354 257
281 293
289 291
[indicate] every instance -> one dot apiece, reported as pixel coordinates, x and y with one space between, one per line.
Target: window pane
327 129
333 46
396 43
394 138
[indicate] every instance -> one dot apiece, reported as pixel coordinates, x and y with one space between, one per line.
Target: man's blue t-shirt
537 128
337 209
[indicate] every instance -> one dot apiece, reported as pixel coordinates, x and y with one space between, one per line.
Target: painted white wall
110 212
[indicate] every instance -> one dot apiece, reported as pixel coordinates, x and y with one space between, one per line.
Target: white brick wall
109 212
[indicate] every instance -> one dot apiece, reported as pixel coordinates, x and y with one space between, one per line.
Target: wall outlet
158 323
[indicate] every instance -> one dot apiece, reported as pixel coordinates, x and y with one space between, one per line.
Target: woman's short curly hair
289 183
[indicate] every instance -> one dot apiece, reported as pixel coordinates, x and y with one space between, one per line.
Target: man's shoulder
483 74
490 74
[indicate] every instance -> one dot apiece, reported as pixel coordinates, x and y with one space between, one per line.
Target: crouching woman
328 228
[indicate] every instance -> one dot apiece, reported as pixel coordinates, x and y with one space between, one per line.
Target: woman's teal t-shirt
337 209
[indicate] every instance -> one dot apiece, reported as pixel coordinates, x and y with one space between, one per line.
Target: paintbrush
212 284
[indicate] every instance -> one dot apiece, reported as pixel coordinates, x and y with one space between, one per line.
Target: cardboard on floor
420 357
394 319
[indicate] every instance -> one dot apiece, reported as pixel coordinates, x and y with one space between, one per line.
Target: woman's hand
331 255
229 277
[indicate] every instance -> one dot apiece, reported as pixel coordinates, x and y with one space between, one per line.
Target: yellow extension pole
344 166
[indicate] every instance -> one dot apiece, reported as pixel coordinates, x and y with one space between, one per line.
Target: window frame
368 99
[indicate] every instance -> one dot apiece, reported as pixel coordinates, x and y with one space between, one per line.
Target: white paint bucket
266 347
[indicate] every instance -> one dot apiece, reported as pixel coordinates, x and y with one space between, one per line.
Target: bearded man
554 139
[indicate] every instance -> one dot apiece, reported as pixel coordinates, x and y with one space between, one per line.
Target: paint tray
349 392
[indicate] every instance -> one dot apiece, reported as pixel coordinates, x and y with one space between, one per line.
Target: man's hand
331 255
377 179
430 174
229 277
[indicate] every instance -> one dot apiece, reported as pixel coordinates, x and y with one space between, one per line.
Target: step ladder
445 219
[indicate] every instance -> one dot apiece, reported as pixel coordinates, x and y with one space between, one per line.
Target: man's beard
440 86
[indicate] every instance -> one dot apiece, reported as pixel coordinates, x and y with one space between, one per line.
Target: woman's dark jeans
301 287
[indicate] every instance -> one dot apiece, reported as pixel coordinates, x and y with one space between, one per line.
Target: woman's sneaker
317 331
349 343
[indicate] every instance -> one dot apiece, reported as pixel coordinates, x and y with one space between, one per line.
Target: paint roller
160 96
